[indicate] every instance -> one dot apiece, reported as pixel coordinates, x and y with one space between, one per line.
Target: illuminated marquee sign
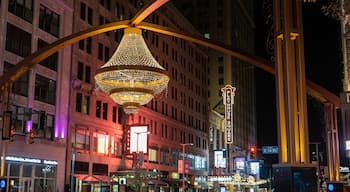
222 179
228 93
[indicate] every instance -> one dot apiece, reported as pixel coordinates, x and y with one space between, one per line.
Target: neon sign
228 94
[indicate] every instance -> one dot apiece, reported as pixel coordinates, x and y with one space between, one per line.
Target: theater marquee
228 93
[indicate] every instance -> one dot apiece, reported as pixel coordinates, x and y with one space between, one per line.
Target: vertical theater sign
228 93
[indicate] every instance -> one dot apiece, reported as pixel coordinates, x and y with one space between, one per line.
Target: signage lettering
31 160
228 94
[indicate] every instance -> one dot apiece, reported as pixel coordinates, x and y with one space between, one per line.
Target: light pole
137 146
183 163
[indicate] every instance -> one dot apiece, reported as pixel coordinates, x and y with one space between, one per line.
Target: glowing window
101 142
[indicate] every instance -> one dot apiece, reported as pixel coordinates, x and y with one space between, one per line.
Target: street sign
270 150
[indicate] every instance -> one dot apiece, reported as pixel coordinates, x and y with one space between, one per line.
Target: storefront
95 183
138 180
24 174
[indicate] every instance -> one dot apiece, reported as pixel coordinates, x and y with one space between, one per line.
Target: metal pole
183 167
73 162
183 164
137 150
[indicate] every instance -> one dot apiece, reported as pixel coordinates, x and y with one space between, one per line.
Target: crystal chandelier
132 77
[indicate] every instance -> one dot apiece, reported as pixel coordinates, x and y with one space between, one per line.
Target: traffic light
252 152
7 124
13 132
31 137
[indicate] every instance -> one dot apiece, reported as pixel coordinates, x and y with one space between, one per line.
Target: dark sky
322 64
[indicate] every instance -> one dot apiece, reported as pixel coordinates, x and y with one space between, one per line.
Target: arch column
331 126
290 83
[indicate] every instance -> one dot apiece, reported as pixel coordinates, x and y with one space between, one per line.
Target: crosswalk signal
252 152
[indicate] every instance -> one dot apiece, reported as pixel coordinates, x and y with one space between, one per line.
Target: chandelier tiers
132 77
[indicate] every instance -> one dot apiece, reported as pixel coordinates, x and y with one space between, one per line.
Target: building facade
34 102
231 23
80 134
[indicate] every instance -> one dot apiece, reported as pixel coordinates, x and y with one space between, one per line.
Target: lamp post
183 163
137 146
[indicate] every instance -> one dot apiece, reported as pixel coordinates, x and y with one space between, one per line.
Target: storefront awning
92 178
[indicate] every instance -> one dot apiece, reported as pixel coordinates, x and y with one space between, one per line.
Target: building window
120 115
103 52
90 15
221 81
86 106
50 127
114 114
106 4
81 139
101 142
104 111
82 103
88 44
50 62
49 21
80 72
81 167
106 54
98 109
45 89
220 59
152 155
87 74
83 12
221 69
19 87
78 102
164 154
99 169
82 44
120 12
20 115
18 41
22 8
43 124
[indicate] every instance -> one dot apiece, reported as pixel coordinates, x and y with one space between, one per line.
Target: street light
183 163
137 147
137 138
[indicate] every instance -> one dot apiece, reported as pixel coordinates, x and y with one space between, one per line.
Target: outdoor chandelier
132 77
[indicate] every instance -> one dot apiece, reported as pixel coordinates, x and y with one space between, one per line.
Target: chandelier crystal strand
132 77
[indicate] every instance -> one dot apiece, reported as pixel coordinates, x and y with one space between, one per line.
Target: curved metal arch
313 89
20 68
147 10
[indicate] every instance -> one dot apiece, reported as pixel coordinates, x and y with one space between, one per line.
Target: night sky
322 64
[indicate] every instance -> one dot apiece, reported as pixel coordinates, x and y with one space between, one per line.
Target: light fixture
132 77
